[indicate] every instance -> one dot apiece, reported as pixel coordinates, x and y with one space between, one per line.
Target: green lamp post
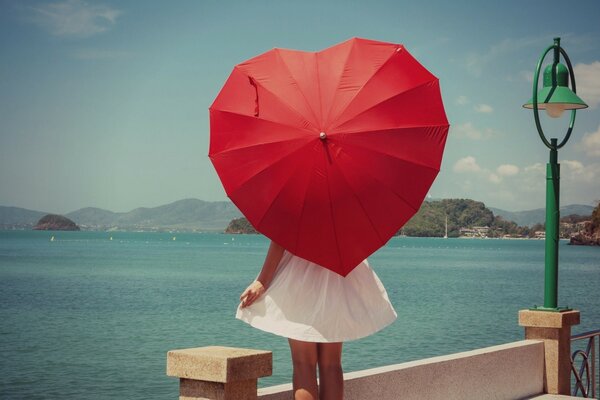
555 97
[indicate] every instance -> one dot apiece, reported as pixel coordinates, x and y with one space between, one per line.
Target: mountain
182 215
19 218
199 215
538 216
186 215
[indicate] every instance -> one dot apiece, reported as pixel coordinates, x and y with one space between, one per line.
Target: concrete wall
508 371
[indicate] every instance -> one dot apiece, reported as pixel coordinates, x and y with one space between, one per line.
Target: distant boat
52 239
446 234
110 238
174 238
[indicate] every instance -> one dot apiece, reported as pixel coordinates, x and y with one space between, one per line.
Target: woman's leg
304 360
331 379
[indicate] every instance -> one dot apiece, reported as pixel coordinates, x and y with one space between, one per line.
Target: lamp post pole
552 228
555 97
553 326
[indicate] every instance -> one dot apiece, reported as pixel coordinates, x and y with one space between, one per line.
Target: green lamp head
556 97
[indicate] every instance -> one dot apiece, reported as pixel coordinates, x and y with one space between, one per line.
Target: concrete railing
513 371
509 371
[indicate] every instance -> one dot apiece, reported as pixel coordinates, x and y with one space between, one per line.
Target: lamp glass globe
555 110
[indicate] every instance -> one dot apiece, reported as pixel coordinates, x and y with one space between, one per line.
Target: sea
92 315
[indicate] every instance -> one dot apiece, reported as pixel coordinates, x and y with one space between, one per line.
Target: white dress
313 304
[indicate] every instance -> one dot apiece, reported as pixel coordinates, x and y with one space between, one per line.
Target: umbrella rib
299 90
382 101
383 183
392 156
319 89
337 244
362 86
396 128
311 133
258 145
339 81
283 157
361 204
279 99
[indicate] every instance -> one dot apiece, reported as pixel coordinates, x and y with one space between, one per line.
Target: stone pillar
218 373
554 328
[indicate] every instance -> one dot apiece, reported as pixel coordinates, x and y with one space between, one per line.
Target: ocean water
84 316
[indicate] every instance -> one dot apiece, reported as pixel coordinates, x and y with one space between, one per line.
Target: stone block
219 364
547 319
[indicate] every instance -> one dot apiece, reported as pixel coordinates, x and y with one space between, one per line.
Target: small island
53 222
239 226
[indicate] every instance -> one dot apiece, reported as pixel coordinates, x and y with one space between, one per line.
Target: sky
105 103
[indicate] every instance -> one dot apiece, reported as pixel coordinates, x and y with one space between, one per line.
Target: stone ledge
508 371
548 319
219 364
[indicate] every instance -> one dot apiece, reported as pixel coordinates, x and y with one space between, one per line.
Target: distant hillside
182 215
199 215
187 215
19 218
430 220
538 216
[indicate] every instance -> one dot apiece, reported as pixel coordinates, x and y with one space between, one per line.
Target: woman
317 310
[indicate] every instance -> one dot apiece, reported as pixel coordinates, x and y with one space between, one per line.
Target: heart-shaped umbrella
329 153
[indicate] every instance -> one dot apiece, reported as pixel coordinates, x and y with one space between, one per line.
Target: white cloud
466 164
591 143
507 170
571 171
467 130
74 18
492 177
576 171
462 100
537 169
587 77
469 165
524 187
483 108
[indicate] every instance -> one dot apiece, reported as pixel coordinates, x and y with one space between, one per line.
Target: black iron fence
584 364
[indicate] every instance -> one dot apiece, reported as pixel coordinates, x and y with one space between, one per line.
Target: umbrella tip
323 135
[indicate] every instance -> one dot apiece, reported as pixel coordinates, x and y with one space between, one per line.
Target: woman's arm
258 287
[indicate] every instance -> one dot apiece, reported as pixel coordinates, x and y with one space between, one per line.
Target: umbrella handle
256 110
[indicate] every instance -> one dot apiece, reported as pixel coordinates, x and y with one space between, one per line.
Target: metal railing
586 376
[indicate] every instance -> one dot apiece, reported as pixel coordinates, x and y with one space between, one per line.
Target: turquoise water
87 317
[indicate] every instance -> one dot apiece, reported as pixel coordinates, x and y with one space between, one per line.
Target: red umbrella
330 153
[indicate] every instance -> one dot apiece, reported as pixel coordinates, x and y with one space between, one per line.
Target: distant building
475 232
540 235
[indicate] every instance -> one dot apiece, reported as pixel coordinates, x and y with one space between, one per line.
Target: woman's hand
252 292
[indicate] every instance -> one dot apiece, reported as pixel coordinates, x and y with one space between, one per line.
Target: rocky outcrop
240 225
53 222
585 239
590 236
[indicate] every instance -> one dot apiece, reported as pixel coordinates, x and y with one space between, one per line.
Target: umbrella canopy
329 153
